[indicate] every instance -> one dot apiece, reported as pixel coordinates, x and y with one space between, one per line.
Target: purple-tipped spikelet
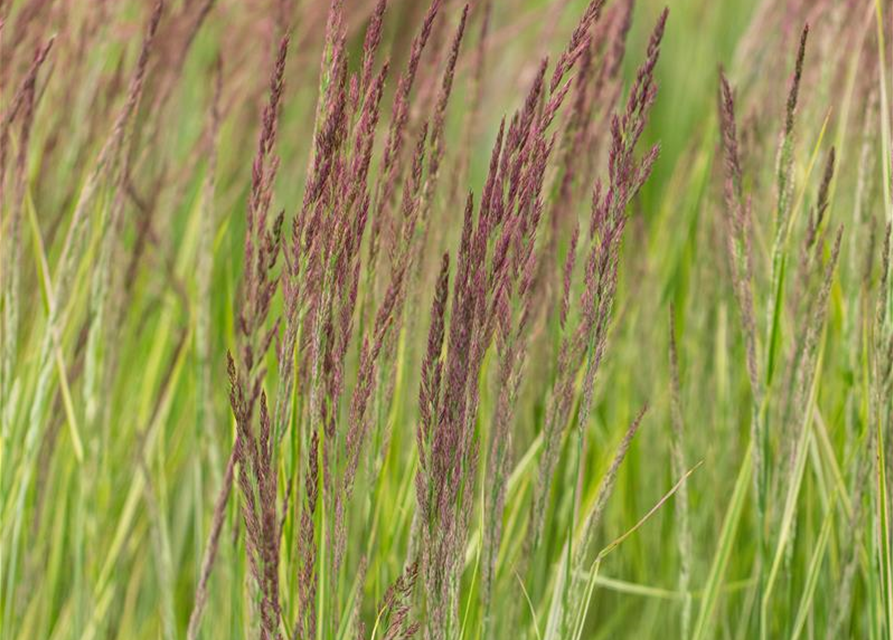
475 90
390 167
371 44
822 202
258 482
437 135
578 43
737 217
430 389
568 274
784 168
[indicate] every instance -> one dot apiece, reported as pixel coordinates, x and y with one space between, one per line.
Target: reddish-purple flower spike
734 183
729 135
18 100
815 221
569 263
794 92
134 91
489 192
444 95
430 385
481 303
365 129
332 106
265 444
615 55
418 161
333 49
629 127
737 232
554 104
389 169
446 441
371 43
530 152
14 245
394 142
610 39
574 140
269 123
519 132
578 43
624 177
476 93
419 42
402 236
263 173
269 552
349 269
437 147
460 306
395 607
258 483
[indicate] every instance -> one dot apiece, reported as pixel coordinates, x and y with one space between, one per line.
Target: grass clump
373 348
